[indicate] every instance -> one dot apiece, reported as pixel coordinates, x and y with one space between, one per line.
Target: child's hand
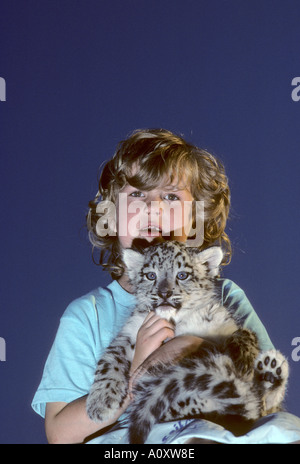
152 333
169 353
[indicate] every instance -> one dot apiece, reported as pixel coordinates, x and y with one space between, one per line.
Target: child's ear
212 257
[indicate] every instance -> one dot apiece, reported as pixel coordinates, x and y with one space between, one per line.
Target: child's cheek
177 218
129 215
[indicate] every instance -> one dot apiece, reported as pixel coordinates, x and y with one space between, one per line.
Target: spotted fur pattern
227 377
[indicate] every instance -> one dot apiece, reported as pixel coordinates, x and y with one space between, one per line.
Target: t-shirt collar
120 294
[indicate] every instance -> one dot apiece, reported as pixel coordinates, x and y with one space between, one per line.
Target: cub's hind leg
271 376
242 347
194 388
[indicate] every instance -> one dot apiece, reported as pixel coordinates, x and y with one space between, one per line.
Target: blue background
80 76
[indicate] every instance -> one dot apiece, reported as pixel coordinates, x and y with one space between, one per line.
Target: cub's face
171 275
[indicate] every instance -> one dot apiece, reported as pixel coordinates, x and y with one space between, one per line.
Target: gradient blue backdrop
83 74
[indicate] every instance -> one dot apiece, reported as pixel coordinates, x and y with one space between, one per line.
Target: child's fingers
152 333
156 329
151 317
153 321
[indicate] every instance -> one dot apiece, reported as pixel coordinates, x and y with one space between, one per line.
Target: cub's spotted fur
229 378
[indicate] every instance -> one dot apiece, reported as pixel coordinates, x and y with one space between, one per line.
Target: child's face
165 211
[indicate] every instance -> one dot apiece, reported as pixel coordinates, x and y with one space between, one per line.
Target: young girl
165 177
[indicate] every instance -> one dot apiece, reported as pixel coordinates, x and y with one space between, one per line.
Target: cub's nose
165 294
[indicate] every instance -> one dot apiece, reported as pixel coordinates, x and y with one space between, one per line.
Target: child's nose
154 206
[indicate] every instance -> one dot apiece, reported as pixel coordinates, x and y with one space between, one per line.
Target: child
154 181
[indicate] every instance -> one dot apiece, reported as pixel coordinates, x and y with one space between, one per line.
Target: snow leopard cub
227 378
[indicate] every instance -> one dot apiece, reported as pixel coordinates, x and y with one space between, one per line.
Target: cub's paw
271 368
102 406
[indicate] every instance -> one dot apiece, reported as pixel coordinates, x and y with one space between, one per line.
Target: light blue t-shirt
91 322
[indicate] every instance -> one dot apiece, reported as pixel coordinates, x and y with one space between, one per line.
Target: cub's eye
182 275
151 275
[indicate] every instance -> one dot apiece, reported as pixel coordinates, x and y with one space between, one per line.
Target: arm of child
69 422
169 353
151 335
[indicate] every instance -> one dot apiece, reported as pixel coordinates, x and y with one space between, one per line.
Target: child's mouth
152 231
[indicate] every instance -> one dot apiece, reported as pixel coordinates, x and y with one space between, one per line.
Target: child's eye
136 194
151 275
182 275
171 197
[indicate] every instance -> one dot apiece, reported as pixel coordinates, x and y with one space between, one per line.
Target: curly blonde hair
143 160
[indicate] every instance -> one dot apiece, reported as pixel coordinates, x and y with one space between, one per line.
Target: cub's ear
132 259
212 257
139 244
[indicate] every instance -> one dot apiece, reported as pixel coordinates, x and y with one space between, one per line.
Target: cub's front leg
110 386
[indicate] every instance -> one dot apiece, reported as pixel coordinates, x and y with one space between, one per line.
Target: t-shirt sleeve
70 366
235 300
